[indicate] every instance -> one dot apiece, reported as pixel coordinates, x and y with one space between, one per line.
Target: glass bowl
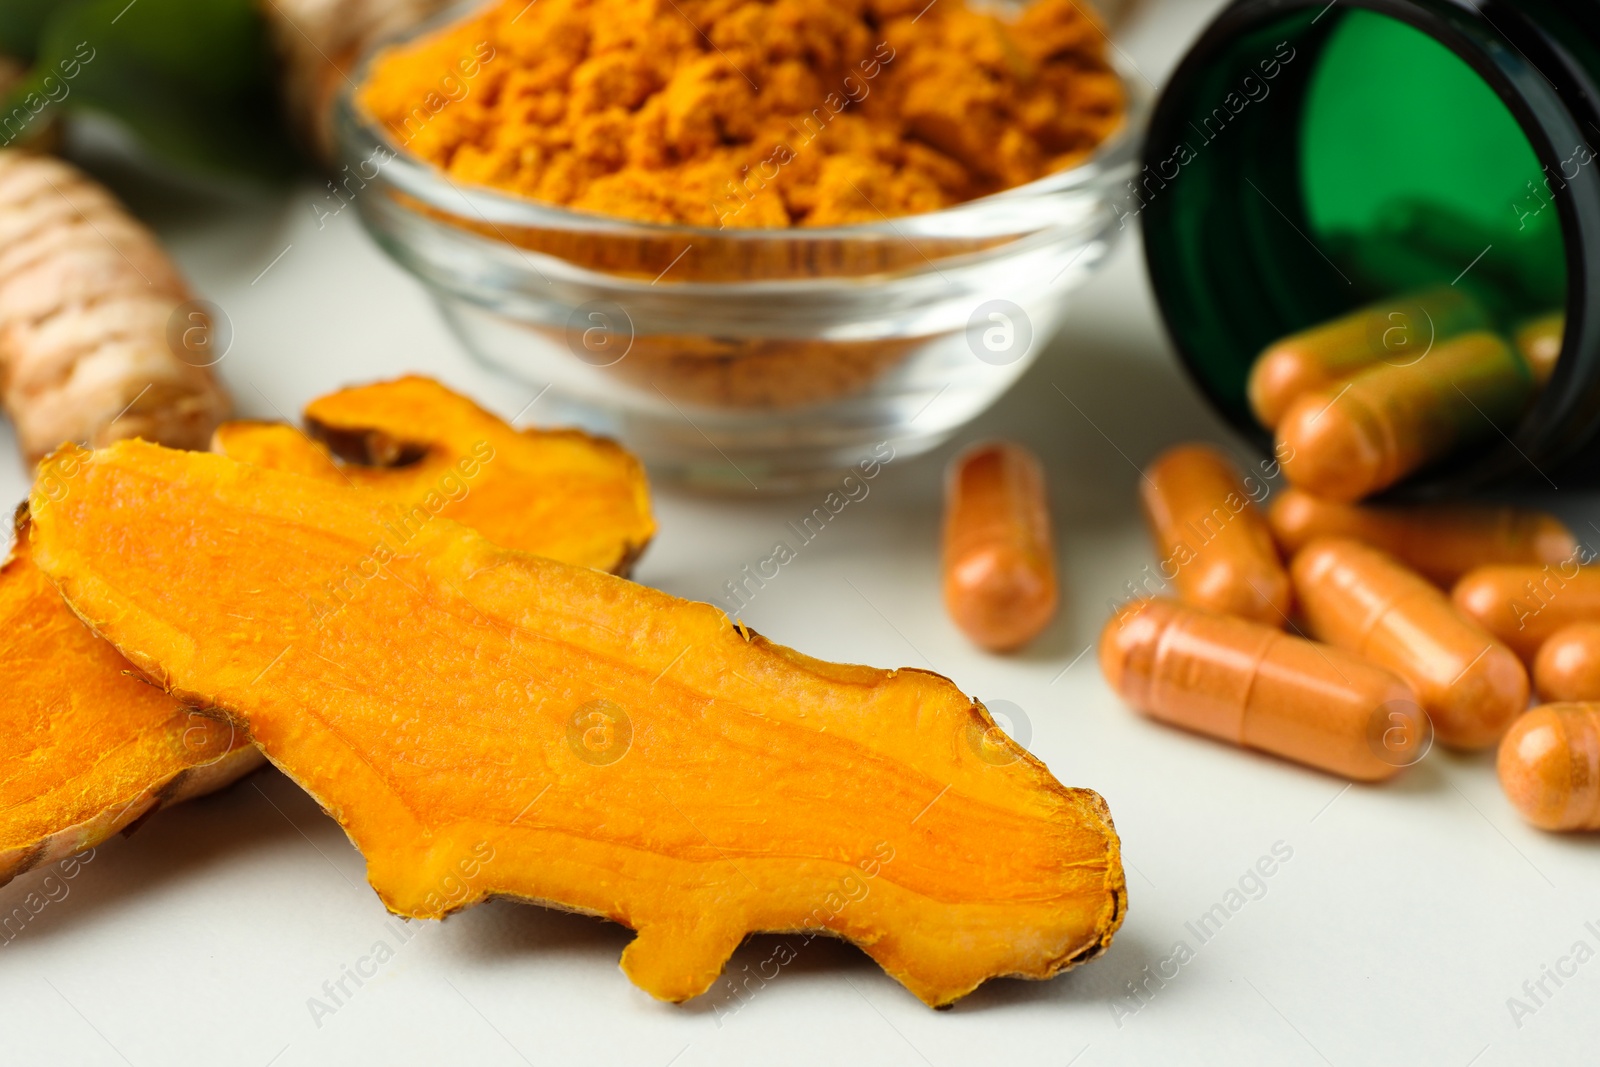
749 358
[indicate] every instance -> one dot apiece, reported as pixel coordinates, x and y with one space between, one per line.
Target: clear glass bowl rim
359 136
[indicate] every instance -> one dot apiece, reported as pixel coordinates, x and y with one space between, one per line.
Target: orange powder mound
751 112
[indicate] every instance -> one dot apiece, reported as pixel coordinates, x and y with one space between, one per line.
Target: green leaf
192 79
21 23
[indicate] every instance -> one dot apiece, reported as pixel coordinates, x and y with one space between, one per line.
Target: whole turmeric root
87 300
486 722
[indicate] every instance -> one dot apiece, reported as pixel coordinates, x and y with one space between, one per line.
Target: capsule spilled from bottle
1364 601
1440 542
1000 584
1567 667
1398 330
1258 687
1349 440
1214 542
1549 766
1525 606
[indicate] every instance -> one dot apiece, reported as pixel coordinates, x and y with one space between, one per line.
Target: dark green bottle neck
1308 159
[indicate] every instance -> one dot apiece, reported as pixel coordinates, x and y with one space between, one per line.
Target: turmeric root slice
483 721
556 493
87 747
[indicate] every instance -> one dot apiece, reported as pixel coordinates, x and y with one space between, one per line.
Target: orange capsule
1540 343
999 554
1549 766
1397 329
1441 543
1257 686
1568 664
1349 440
1525 606
1215 546
1362 600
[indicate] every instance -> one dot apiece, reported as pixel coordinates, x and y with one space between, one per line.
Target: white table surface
1404 919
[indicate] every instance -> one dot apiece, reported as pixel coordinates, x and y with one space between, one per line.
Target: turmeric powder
751 113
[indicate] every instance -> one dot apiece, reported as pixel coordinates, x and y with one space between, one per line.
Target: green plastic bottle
1311 158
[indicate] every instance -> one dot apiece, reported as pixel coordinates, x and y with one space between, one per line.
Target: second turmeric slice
483 722
87 748
431 451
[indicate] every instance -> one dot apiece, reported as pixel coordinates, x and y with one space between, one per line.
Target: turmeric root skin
86 295
486 722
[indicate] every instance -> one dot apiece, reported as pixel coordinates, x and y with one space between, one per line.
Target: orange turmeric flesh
86 746
431 451
487 722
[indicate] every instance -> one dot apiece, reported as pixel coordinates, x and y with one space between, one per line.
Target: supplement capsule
1398 329
1539 343
1215 547
1256 686
1362 600
1440 543
1568 664
999 554
1549 766
1351 439
1525 606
